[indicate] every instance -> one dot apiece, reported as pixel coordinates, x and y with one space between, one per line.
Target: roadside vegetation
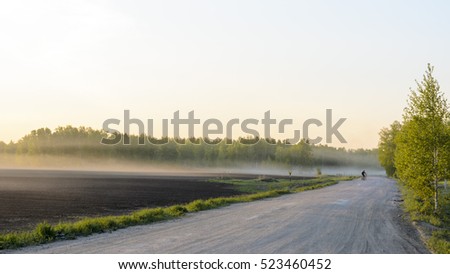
435 228
264 184
416 151
254 189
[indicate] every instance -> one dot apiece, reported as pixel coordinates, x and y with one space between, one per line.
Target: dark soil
28 197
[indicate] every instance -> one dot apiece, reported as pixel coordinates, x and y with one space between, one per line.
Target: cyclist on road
364 174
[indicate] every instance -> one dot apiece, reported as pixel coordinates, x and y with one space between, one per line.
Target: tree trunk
435 195
435 169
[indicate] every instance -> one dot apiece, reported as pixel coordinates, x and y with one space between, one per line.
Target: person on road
364 174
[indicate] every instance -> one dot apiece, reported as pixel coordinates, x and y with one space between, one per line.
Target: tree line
85 142
417 150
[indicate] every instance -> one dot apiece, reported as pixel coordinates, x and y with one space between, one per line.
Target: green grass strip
438 241
46 233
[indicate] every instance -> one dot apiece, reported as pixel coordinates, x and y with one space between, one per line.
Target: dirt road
351 217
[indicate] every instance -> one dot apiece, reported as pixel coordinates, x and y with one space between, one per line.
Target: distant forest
85 142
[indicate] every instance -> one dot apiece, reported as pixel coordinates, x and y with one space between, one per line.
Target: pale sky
81 62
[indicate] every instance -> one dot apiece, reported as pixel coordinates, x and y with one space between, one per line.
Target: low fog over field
80 148
128 166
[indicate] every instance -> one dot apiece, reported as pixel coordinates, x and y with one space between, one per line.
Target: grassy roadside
434 228
266 184
255 189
